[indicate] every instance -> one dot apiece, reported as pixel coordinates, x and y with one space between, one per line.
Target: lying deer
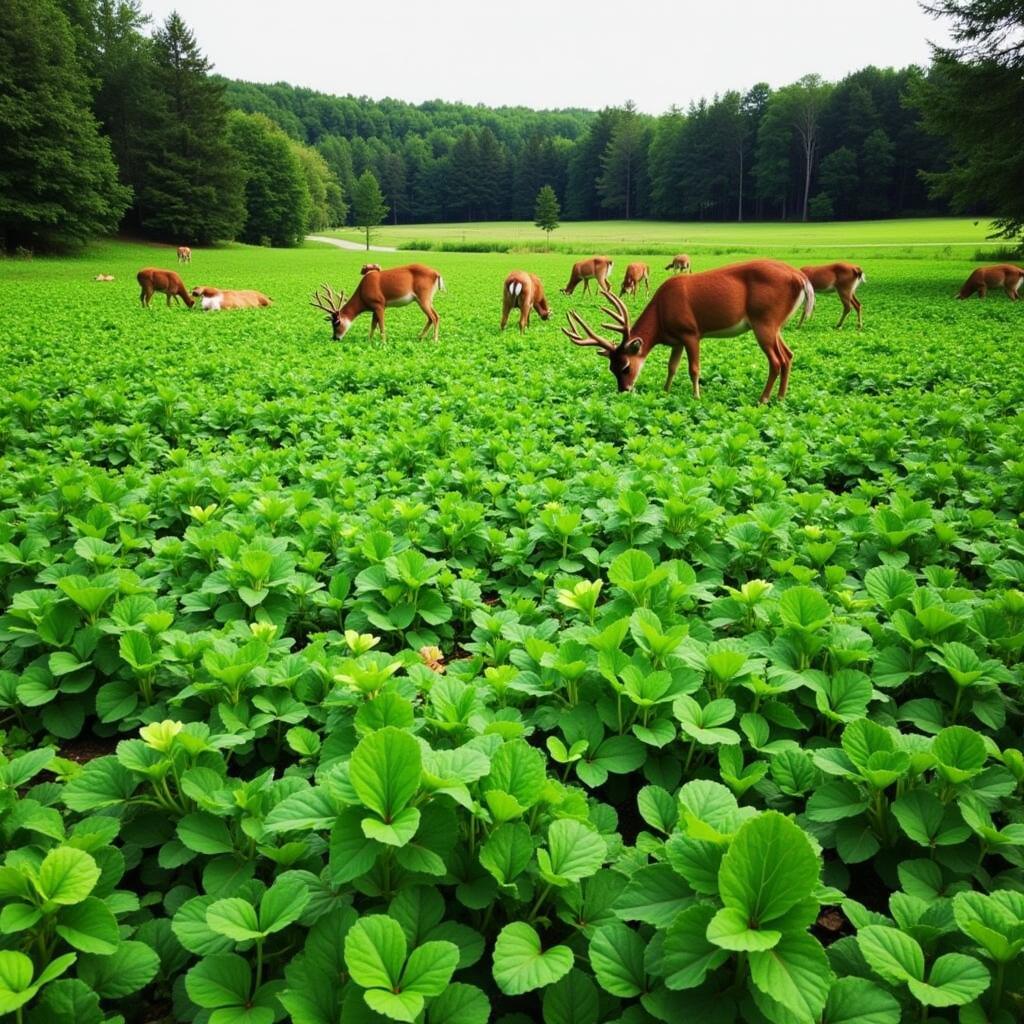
842 278
759 296
1002 275
597 268
220 298
152 279
379 289
523 291
635 274
184 254
680 264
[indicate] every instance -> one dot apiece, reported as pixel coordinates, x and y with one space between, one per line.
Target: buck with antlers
636 273
597 268
842 278
379 289
680 264
1003 275
524 292
759 296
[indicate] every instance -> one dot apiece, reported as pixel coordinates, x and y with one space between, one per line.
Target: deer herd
758 296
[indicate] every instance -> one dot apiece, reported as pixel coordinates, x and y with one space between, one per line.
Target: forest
113 123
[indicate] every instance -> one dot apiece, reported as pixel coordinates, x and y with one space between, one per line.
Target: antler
619 314
335 301
587 337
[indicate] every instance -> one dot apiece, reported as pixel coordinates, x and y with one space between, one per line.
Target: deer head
332 305
625 359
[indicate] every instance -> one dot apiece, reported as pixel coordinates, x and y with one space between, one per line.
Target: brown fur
367 267
233 298
530 298
184 254
597 268
762 294
153 279
1002 275
680 263
841 278
376 291
635 274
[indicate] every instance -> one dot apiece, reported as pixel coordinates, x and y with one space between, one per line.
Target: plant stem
259 964
540 899
997 986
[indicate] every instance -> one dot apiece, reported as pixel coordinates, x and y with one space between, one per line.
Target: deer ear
632 347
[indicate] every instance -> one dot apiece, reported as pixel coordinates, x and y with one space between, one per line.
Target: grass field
660 237
444 684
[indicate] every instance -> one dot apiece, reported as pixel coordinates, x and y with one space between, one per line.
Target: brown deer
759 296
597 268
635 274
680 264
379 289
152 279
184 254
1003 275
842 278
367 267
523 291
219 298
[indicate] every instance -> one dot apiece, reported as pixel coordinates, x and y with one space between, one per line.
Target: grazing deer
379 289
842 278
1003 275
597 268
680 264
523 291
219 298
184 254
367 267
759 296
635 274
152 279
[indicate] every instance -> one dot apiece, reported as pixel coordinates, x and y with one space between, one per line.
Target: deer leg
673 365
857 305
785 359
506 308
767 338
524 317
847 306
982 291
586 286
693 363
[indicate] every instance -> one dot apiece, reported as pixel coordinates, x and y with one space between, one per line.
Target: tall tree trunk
739 208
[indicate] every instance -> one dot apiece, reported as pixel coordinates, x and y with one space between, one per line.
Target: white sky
549 53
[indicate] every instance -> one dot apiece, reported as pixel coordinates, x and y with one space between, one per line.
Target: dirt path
344 243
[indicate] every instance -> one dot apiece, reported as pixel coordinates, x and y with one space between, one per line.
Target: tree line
107 124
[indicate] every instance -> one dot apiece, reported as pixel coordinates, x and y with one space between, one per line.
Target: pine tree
192 182
623 163
546 211
58 180
368 206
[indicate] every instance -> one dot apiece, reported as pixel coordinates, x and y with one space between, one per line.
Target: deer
153 279
635 274
680 264
218 298
184 254
367 267
1002 275
525 292
842 278
597 268
759 296
379 289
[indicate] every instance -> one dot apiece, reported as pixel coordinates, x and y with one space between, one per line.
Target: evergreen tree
192 183
546 211
875 183
974 97
58 180
368 206
623 163
839 178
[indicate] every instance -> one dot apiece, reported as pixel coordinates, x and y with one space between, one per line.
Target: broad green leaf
403 1006
517 769
857 1001
430 968
205 833
730 929
960 752
220 980
459 1004
688 956
66 876
795 973
892 954
89 926
385 771
617 958
954 980
655 895
507 852
804 609
282 904
375 950
769 867
398 832
575 851
521 965
130 968
573 1000
236 918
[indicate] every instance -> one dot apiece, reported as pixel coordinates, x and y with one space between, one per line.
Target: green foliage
58 181
368 206
546 210
347 690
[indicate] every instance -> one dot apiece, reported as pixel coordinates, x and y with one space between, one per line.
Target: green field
444 684
658 236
